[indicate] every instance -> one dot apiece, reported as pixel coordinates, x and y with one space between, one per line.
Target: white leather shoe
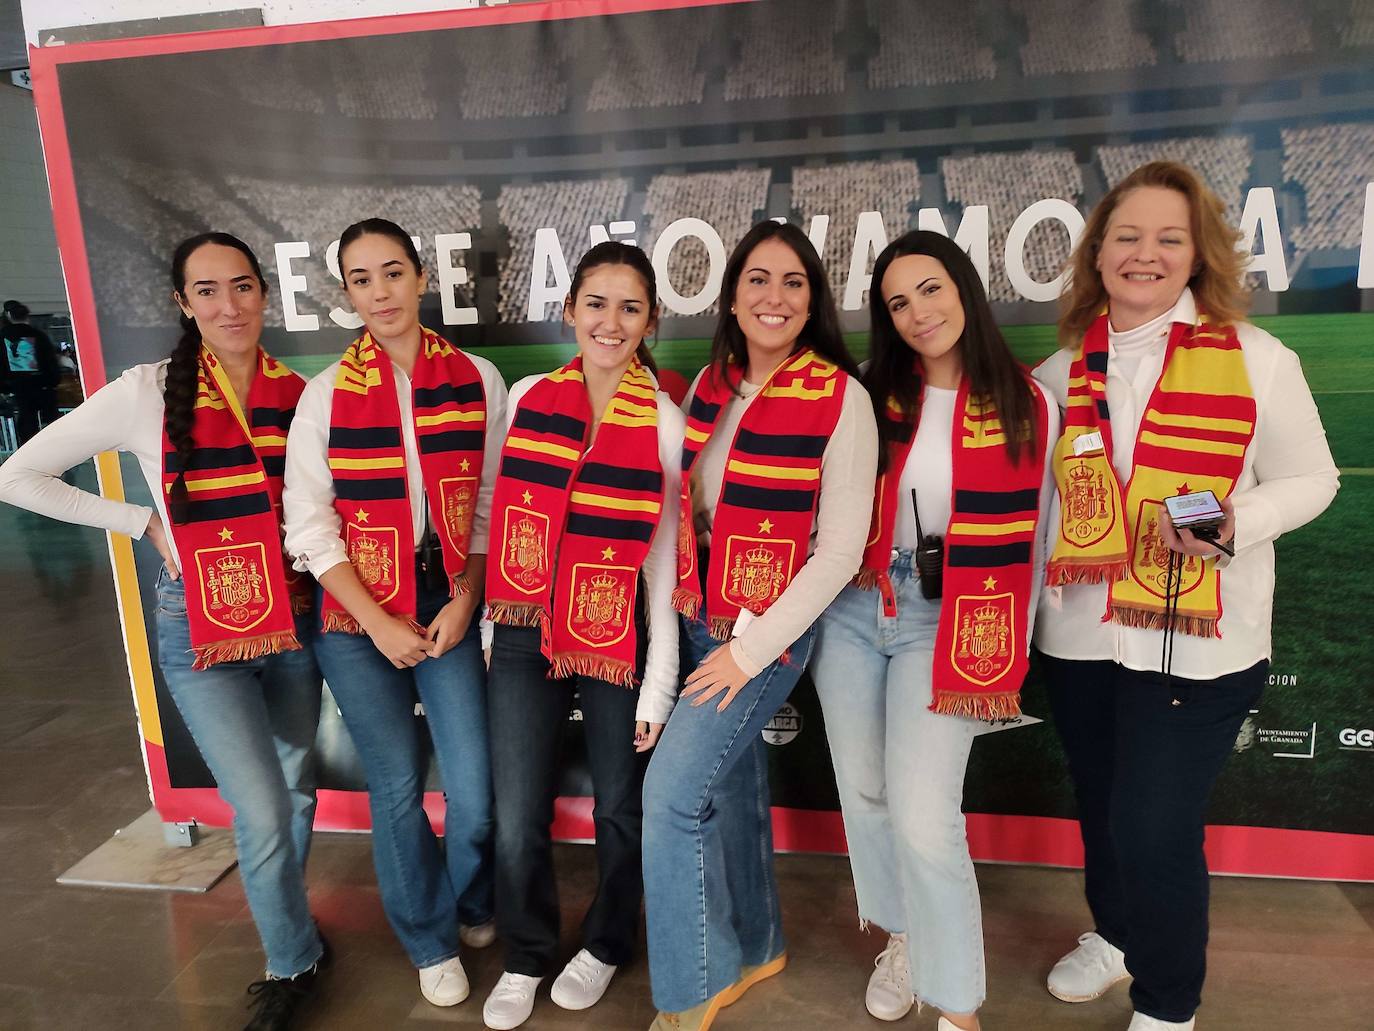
511 1002
444 984
477 936
889 987
1140 1022
582 983
1088 971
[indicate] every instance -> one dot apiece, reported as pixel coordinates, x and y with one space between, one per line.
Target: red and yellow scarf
241 592
980 647
575 525
367 461
769 492
1193 436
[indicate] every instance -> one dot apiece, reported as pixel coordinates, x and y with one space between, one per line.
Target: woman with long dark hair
934 633
234 627
1157 641
388 485
581 595
776 486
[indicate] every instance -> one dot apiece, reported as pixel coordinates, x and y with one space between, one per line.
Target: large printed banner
507 140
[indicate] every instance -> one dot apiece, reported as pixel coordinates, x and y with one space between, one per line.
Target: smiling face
611 315
383 286
772 299
1147 255
926 311
225 297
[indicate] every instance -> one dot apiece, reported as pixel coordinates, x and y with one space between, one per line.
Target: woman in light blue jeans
902 667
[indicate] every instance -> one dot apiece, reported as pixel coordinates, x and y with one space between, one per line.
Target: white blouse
1288 478
658 692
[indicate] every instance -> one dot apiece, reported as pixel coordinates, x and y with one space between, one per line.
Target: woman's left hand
1185 543
451 624
718 672
646 735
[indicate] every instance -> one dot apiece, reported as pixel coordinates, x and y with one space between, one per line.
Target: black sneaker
276 999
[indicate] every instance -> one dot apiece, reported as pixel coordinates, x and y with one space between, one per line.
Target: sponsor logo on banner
784 727
1282 743
1356 740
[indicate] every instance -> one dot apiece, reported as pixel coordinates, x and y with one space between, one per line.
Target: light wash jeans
254 723
426 891
710 894
900 771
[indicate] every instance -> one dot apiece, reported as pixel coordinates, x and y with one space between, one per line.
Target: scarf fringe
459 584
244 648
602 667
301 603
338 621
1150 619
686 602
978 706
721 627
867 579
512 613
1067 573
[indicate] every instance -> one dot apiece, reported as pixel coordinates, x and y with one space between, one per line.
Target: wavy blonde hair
1216 281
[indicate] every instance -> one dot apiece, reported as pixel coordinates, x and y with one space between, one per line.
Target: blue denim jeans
900 772
426 891
711 898
254 723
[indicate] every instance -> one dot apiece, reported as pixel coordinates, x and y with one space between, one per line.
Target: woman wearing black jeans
585 506
1166 392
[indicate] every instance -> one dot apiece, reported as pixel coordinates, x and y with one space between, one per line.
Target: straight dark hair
991 369
183 371
613 252
378 227
821 332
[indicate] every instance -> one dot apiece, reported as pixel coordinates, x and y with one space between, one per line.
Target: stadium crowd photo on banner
687 514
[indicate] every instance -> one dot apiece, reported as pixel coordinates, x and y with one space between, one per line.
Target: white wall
41 14
29 270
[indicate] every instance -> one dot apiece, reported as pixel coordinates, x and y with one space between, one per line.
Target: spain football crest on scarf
757 570
1089 511
985 636
373 552
524 550
235 589
602 606
1151 566
457 502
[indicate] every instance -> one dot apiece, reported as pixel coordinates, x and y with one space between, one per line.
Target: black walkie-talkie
930 557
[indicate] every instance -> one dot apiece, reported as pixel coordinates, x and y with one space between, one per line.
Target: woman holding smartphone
388 481
934 634
1156 644
234 622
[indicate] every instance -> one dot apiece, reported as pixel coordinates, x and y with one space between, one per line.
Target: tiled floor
1284 954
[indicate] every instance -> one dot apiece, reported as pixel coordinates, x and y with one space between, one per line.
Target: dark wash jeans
528 716
1143 770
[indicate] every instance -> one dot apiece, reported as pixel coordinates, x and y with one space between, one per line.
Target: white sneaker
1140 1022
444 984
511 1002
1088 971
582 982
889 988
477 936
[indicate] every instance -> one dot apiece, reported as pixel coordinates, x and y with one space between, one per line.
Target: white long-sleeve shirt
848 470
1288 478
124 415
313 526
930 470
658 691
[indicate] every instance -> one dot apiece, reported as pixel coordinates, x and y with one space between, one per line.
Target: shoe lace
509 988
892 961
274 997
1096 949
585 967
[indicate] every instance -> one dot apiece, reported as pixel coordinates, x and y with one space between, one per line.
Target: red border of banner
1257 851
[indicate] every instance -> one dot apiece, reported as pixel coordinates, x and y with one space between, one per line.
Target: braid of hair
179 399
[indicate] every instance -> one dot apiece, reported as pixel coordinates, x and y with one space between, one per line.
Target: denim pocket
171 596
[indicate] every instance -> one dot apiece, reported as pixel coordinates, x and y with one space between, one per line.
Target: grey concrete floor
1284 954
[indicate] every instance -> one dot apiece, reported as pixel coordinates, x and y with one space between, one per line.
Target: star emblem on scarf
226 534
464 465
527 498
361 516
990 584
766 526
608 554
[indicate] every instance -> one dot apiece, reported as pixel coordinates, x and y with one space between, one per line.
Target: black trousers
528 716
34 400
1143 770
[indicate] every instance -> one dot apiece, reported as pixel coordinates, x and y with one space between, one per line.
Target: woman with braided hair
208 427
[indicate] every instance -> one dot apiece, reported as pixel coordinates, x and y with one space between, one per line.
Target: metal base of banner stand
140 856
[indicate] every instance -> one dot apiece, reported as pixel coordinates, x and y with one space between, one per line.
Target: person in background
582 600
776 487
28 369
934 634
388 487
1156 642
208 426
